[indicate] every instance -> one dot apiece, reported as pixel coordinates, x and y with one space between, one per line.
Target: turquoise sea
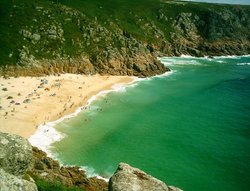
190 128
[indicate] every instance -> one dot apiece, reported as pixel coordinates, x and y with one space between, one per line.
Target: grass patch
43 185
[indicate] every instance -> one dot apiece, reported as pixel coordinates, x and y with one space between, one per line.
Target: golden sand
31 101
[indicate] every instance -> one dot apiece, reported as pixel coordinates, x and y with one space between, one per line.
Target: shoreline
45 131
49 134
26 103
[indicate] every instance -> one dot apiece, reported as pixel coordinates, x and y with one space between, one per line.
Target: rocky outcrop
127 178
15 160
15 154
9 182
139 65
47 169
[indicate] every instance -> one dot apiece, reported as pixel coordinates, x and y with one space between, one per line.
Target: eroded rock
127 178
49 170
9 182
15 154
15 160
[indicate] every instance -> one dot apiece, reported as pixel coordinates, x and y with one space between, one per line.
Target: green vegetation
43 185
100 30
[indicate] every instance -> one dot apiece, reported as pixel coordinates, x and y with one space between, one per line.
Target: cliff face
115 37
214 32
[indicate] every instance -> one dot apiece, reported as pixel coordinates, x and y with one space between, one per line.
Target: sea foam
243 64
184 60
181 62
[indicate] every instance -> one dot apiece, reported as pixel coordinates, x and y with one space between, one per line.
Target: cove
190 129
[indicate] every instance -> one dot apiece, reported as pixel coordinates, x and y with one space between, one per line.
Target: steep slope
117 37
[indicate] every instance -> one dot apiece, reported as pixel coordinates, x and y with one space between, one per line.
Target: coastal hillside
115 37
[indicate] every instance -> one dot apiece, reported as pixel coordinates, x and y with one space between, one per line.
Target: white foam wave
137 80
233 56
119 88
45 136
243 64
184 60
247 55
90 172
157 76
220 61
228 56
181 62
186 56
168 73
204 57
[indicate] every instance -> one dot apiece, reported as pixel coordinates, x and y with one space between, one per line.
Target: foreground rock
48 169
9 182
15 160
15 154
127 178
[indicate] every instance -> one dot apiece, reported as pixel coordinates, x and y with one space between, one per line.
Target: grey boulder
15 154
127 178
9 182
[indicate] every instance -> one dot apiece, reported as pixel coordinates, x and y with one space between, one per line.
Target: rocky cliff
49 170
30 169
115 37
15 161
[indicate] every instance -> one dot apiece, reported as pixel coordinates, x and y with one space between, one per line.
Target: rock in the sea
127 178
15 154
9 182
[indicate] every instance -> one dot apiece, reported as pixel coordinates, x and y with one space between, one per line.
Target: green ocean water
190 129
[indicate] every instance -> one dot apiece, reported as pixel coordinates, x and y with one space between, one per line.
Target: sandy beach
27 102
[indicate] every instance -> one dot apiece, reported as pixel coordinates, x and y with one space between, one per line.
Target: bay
190 129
